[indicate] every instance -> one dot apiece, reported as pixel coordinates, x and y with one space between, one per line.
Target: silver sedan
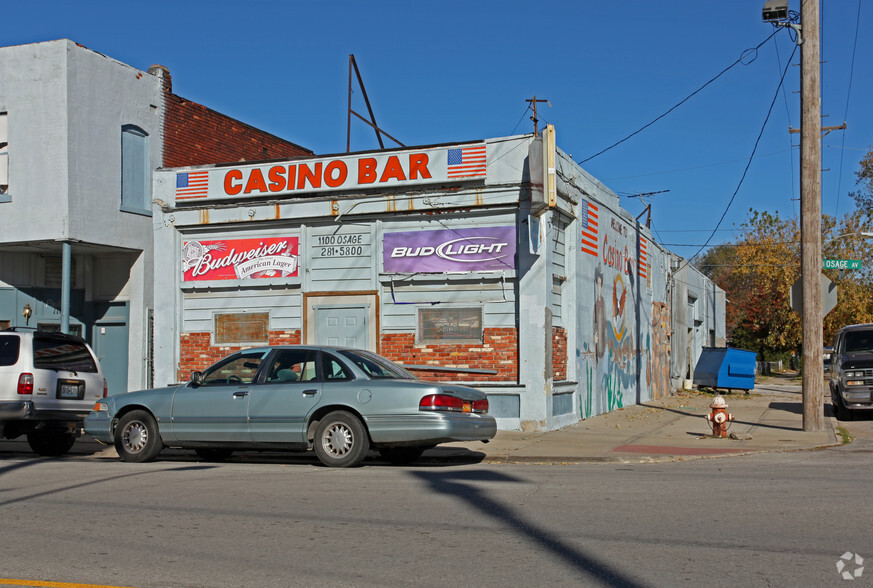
339 402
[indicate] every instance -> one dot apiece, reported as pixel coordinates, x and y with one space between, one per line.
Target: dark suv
851 370
48 382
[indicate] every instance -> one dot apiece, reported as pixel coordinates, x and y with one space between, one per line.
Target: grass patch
845 435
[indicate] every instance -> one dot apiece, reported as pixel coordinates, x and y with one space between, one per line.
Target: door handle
310 392
242 394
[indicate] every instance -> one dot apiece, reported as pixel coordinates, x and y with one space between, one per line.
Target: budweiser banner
451 250
240 259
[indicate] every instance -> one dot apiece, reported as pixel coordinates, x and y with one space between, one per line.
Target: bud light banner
240 259
451 250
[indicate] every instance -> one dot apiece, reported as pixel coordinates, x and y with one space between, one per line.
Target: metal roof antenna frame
372 122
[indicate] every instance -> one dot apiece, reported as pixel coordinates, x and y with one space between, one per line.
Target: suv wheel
842 413
50 443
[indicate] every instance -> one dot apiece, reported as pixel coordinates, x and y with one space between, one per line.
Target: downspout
66 258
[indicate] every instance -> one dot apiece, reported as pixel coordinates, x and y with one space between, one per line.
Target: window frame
422 339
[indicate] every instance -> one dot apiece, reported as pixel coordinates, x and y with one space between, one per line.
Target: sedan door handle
310 392
242 394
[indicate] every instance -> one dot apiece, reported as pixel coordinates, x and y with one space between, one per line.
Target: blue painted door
110 346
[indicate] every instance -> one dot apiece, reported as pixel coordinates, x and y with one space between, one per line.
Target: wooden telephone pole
810 217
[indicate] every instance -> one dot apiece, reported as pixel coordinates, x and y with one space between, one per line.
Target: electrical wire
687 98
749 163
788 116
521 119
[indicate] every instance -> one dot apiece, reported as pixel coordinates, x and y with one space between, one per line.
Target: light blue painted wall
553 285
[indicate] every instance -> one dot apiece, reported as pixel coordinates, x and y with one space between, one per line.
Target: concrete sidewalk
769 418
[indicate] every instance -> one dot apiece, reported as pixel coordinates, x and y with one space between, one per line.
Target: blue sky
453 71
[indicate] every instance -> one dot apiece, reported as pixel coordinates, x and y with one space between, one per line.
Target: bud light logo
451 250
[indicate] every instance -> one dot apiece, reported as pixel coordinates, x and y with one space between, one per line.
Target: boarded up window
135 170
449 325
249 327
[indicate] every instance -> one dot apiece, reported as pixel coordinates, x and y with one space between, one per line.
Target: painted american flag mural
642 259
589 222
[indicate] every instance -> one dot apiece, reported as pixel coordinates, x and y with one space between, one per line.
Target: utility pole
533 104
810 217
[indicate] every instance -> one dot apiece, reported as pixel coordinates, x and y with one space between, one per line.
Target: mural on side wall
658 353
611 360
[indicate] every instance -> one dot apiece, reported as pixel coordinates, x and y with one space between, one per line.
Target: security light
775 10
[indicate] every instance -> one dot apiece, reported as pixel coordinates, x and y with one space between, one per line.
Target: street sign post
828 295
842 264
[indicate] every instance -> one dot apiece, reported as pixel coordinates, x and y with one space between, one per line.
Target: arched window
135 170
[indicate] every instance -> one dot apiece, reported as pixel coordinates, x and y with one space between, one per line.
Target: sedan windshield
375 366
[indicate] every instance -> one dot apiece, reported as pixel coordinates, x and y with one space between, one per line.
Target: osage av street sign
842 264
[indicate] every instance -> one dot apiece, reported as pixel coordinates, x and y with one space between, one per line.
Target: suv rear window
62 354
9 347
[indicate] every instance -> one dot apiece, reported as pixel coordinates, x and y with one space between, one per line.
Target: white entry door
343 325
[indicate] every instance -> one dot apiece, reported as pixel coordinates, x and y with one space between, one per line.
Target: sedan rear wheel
341 440
137 438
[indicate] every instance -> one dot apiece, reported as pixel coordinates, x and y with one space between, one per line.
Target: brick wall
499 351
559 354
197 135
198 353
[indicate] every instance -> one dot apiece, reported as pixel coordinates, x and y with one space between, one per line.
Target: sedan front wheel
341 440
137 438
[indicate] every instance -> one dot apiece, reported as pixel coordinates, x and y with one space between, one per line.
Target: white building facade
500 261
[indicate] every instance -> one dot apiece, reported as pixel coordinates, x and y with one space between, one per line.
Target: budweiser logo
239 259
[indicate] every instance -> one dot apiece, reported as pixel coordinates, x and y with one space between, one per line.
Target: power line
751 156
686 99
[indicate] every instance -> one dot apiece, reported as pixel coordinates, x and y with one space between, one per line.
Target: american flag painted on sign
642 259
466 162
192 184
588 222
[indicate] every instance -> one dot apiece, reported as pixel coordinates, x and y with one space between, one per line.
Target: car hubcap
338 440
135 437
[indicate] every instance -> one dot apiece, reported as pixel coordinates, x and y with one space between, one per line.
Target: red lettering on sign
393 170
292 173
312 176
366 170
229 187
277 178
335 179
256 182
418 165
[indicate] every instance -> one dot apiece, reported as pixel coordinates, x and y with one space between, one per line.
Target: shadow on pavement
462 485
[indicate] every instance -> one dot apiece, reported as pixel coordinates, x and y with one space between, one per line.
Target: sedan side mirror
196 378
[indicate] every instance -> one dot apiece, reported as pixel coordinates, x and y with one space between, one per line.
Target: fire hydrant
719 417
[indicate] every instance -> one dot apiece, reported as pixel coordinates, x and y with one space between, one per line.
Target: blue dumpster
726 367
